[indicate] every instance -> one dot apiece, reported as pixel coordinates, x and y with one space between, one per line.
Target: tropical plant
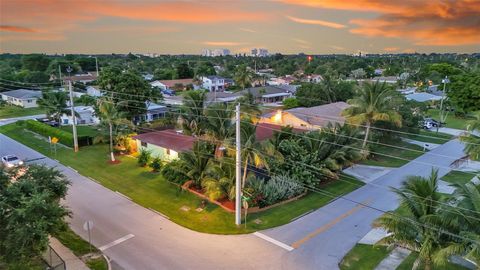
219 125
192 116
111 118
281 187
374 102
243 76
472 138
144 157
416 227
55 104
173 171
156 164
220 180
194 163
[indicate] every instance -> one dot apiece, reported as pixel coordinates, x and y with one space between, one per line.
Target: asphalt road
320 239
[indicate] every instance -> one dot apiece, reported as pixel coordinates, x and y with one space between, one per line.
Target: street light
443 116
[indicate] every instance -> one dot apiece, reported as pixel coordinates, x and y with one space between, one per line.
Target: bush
64 137
172 172
156 164
144 157
277 189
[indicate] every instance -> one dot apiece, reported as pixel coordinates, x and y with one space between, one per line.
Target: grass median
152 191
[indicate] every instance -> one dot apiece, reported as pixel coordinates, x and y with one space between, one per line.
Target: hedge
64 137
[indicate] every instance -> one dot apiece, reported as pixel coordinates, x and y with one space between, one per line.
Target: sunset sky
286 26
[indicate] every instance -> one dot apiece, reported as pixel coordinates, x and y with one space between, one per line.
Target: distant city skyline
284 26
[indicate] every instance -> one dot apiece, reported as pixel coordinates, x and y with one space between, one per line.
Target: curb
125 196
158 213
109 266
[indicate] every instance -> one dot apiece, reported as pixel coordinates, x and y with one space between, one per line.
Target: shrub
144 157
156 164
64 137
172 172
278 188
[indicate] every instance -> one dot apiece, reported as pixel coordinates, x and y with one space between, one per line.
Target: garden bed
229 206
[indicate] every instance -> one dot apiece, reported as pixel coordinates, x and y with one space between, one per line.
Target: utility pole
60 75
442 113
74 118
96 64
238 179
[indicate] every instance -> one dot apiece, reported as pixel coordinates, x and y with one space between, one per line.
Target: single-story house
180 84
165 144
81 78
265 131
267 94
281 80
307 118
313 78
22 97
154 112
94 91
408 90
423 97
85 115
147 77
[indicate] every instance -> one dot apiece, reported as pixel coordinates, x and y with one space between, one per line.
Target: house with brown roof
307 118
180 84
166 144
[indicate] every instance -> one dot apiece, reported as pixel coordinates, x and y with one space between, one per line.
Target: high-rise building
215 52
259 52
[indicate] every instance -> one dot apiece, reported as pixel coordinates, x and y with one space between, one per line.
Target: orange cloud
440 23
223 43
391 49
316 22
247 30
18 29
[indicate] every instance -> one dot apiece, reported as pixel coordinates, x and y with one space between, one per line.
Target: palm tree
374 103
243 76
463 217
112 117
472 139
55 104
220 181
219 125
416 227
192 112
195 163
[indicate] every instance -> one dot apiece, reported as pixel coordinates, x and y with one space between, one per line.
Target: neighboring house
173 100
314 78
408 90
378 71
265 131
147 77
281 80
94 91
85 115
81 78
389 79
154 112
307 118
267 94
22 97
165 144
423 97
180 84
213 83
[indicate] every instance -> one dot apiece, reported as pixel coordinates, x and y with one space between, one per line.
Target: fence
53 260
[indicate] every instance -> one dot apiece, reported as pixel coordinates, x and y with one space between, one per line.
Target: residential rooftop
23 93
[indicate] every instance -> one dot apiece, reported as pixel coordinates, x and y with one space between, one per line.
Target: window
29 101
65 121
144 144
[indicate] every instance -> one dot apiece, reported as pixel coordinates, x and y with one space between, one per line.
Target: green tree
220 180
416 227
184 71
31 211
374 102
472 138
204 69
144 157
243 76
193 120
464 92
55 104
35 62
111 117
219 125
195 163
290 103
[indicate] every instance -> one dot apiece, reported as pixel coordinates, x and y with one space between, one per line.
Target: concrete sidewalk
393 260
72 262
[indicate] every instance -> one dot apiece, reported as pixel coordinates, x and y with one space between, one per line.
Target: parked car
429 123
11 161
48 122
168 92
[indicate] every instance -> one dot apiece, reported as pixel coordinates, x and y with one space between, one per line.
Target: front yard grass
89 131
388 156
452 120
152 191
458 177
11 111
407 264
429 137
364 257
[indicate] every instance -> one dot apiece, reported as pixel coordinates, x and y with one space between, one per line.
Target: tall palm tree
111 117
463 217
219 125
192 112
375 102
55 104
472 139
195 163
220 181
416 227
243 76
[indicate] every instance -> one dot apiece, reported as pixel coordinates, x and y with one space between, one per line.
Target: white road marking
273 241
116 242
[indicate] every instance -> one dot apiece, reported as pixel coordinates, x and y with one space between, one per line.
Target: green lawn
388 156
363 257
407 264
80 247
82 130
452 120
457 177
152 191
429 137
10 111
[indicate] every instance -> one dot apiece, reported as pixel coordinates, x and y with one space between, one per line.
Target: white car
11 161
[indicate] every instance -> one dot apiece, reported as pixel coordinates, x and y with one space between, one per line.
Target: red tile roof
265 131
172 83
168 139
